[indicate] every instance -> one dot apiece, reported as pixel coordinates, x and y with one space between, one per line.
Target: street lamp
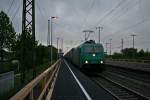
57 47
53 17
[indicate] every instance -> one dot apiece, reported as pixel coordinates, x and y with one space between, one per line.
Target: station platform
71 84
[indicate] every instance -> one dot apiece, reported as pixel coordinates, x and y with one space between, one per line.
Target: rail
131 60
38 88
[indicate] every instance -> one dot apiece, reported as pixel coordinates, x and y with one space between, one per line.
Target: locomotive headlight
93 54
86 62
101 62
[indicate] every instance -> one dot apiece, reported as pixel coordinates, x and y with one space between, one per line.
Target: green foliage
24 49
8 66
7 37
117 55
141 53
7 32
43 54
130 53
40 54
21 46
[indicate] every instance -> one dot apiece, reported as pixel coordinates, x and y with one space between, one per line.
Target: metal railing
38 88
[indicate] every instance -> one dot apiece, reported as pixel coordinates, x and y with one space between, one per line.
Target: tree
7 34
141 53
24 52
43 53
40 54
116 55
129 52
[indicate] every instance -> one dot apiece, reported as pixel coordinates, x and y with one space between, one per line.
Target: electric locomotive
87 55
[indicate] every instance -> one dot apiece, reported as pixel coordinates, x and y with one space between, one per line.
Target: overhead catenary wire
124 13
91 7
117 12
132 26
75 10
17 11
42 9
42 13
109 12
11 4
118 5
129 27
127 9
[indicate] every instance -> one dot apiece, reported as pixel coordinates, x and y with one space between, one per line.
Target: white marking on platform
80 85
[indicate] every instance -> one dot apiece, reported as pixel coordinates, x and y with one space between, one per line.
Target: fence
6 82
38 89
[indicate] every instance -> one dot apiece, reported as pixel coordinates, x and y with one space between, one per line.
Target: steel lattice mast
28 16
28 22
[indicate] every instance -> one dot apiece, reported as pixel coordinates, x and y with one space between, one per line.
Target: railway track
117 90
134 74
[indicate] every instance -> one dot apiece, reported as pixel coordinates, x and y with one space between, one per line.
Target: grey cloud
77 15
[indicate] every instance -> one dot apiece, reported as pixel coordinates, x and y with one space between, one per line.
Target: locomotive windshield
92 49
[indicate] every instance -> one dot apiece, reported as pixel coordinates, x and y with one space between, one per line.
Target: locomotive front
92 54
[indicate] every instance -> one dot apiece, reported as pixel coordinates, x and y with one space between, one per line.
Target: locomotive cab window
92 49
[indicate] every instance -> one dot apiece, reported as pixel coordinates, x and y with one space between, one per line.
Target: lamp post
57 47
48 35
54 17
110 46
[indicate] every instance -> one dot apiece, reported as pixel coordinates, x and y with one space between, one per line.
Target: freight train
87 55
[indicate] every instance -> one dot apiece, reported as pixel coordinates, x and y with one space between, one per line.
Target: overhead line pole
33 37
133 35
106 46
28 23
110 46
99 29
122 43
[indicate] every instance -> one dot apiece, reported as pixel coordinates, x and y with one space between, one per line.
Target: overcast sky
119 19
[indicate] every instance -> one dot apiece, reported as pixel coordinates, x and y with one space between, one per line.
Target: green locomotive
88 53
